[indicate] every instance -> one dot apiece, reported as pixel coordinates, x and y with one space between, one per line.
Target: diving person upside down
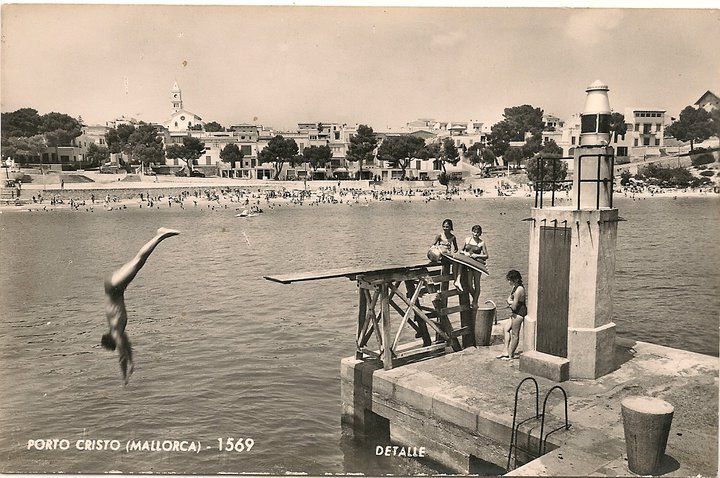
115 310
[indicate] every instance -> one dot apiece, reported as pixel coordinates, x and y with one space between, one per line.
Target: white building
92 134
552 122
120 121
708 101
645 134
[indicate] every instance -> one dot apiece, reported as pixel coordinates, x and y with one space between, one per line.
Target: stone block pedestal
549 366
591 351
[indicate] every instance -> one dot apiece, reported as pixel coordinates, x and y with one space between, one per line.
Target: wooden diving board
349 272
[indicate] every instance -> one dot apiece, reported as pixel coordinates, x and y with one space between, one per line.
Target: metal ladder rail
543 437
516 426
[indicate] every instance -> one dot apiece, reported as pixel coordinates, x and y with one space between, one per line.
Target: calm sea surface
220 352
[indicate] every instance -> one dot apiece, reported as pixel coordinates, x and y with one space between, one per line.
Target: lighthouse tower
569 331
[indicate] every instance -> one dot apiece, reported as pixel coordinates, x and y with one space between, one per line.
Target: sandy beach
103 192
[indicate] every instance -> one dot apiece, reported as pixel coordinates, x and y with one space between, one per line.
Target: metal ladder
543 437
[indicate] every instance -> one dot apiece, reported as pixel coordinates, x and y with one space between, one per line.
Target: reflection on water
222 353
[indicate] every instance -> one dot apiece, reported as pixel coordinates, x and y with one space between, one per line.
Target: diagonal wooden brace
405 318
424 317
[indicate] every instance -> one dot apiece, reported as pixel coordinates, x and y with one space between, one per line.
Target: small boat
245 213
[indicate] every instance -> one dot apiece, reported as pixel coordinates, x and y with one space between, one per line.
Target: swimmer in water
115 310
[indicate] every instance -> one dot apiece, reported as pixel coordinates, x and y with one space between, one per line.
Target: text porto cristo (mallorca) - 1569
226 444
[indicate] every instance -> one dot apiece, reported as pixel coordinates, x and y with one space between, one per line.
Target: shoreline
223 193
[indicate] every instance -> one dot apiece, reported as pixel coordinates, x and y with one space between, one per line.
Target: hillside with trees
26 134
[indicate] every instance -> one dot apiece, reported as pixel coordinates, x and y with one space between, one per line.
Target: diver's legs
123 276
125 355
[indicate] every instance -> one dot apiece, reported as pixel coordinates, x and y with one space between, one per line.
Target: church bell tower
176 98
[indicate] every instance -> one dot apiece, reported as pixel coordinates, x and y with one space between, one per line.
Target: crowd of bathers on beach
219 198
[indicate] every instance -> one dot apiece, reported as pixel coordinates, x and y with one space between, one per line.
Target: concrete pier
460 408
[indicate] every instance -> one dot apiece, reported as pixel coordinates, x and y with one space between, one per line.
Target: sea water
222 353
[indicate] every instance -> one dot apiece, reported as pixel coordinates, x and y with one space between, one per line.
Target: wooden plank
344 272
362 316
370 301
441 279
455 309
421 350
397 308
467 319
420 313
365 285
461 331
408 313
393 290
440 304
415 323
449 293
371 353
377 334
367 335
369 327
379 278
387 348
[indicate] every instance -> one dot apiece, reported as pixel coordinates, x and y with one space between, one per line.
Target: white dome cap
597 101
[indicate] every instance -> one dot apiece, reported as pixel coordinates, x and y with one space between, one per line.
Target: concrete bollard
484 320
646 421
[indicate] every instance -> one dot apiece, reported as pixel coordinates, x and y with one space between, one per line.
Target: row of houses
645 137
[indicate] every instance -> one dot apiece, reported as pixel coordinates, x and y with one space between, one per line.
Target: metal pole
612 179
552 179
579 181
542 179
597 189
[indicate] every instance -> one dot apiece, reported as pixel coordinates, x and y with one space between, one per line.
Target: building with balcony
645 134
463 133
552 122
92 134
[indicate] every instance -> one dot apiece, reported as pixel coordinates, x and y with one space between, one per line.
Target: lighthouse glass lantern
594 160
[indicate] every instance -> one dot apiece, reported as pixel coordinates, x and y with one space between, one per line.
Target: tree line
26 134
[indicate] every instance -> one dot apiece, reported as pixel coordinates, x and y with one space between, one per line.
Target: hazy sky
383 67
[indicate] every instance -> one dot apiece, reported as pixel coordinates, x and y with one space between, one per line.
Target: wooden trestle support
379 293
